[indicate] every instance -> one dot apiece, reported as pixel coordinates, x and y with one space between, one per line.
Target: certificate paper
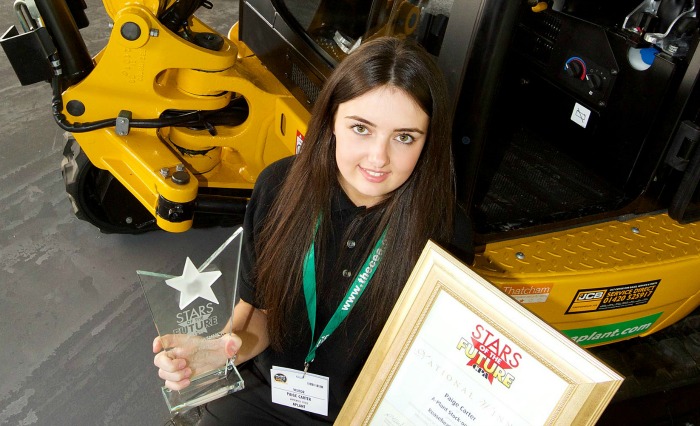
456 351
482 379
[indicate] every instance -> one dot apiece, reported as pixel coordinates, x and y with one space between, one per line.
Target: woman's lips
373 176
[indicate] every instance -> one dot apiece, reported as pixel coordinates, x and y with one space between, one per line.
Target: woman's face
379 137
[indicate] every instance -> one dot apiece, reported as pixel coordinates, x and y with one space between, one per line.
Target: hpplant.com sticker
612 332
489 356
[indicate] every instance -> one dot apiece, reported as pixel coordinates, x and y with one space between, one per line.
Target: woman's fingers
181 357
176 380
205 355
232 344
157 345
176 386
163 361
174 371
174 376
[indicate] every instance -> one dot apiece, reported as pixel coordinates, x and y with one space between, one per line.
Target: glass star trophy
190 312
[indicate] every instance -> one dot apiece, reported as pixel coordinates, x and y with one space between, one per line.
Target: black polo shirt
343 354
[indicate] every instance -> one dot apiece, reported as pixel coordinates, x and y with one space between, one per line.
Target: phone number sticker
605 299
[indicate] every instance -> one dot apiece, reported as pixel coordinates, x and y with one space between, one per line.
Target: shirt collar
342 203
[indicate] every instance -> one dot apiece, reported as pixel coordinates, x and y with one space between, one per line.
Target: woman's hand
180 357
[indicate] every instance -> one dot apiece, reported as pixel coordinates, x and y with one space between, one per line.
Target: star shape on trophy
193 284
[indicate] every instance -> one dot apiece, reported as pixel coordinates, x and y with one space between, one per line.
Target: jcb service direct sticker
604 299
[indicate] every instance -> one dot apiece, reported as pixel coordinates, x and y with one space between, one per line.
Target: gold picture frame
458 351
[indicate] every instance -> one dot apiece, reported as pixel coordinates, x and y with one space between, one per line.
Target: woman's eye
404 138
360 129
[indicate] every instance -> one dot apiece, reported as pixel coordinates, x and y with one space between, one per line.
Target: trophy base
203 389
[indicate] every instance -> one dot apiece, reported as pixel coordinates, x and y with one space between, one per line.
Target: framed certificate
457 351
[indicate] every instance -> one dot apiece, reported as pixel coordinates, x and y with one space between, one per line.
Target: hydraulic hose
187 118
64 32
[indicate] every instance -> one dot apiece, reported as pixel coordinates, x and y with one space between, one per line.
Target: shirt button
351 243
347 273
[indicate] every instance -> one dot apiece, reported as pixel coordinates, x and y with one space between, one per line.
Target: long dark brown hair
420 209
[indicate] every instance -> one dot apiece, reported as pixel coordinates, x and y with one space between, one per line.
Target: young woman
332 234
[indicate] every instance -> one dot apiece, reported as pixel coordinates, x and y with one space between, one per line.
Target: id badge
296 389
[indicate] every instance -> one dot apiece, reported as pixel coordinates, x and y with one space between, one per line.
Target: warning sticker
300 142
605 299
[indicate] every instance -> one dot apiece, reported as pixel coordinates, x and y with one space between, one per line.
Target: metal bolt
154 32
181 177
164 171
130 31
635 230
520 255
180 167
175 212
129 220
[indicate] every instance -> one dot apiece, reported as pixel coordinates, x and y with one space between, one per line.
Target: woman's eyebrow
410 130
369 123
360 119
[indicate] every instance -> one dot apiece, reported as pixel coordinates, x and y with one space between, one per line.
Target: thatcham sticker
605 299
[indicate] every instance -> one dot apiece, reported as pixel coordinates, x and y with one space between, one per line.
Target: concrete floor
76 330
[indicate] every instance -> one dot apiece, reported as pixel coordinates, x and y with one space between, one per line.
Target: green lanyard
351 297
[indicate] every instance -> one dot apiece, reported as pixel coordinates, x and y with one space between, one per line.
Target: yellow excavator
575 130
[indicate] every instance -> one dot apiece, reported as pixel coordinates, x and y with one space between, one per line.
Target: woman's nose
378 154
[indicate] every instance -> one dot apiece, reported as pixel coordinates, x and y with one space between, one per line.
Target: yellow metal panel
600 275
